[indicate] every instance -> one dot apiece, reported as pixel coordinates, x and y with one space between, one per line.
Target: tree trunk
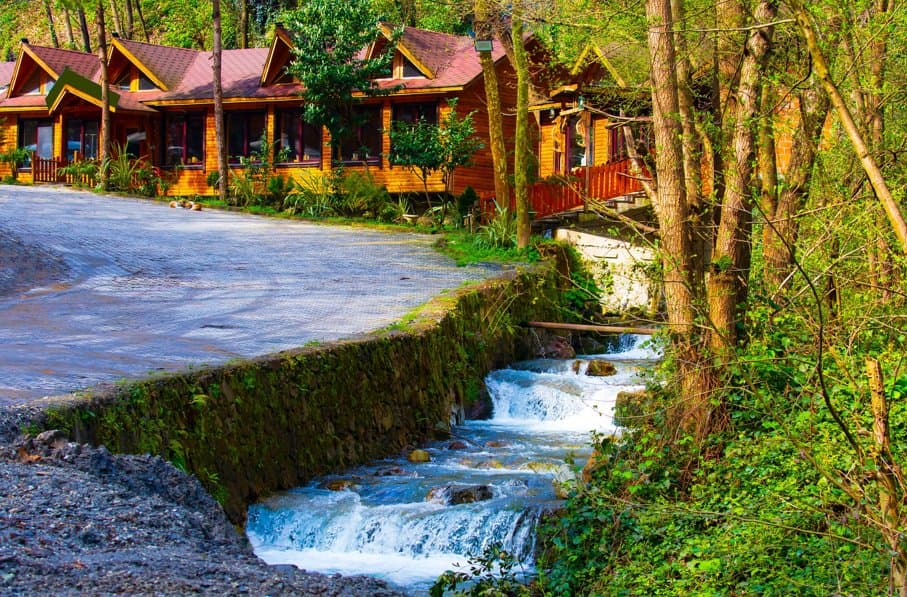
870 166
50 24
116 17
67 20
243 25
219 132
671 205
886 477
494 110
130 20
86 36
521 162
138 11
729 278
779 236
105 129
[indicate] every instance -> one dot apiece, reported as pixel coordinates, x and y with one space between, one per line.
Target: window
301 139
411 113
364 142
145 83
81 139
184 139
617 142
244 134
579 138
410 70
37 136
37 83
124 81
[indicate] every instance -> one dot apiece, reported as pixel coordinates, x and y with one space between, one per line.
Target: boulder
557 347
418 456
457 445
564 481
451 495
600 368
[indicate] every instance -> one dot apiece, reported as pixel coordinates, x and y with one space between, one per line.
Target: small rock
494 443
51 438
557 348
339 485
452 495
457 445
599 368
418 456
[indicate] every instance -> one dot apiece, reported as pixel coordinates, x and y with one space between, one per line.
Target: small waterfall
386 520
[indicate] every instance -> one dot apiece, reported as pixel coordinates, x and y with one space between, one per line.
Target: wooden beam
582 327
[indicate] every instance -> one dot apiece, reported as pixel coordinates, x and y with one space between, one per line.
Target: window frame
233 118
371 159
168 120
297 148
38 124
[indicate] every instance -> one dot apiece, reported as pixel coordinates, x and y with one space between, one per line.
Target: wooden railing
606 182
45 169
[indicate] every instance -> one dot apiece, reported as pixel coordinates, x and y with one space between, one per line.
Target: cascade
395 519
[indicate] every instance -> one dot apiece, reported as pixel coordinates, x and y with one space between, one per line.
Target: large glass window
301 139
81 139
245 131
37 136
184 139
364 142
412 113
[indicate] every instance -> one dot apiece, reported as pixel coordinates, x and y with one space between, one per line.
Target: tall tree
83 25
50 24
67 21
494 109
116 17
219 132
521 160
105 129
328 39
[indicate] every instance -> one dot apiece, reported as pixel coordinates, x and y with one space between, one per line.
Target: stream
394 519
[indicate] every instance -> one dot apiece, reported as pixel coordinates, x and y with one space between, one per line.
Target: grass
467 249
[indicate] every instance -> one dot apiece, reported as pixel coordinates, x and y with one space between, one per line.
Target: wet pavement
96 288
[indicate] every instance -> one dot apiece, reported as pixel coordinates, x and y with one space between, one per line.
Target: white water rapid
385 519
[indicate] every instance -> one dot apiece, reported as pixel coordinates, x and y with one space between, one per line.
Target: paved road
98 288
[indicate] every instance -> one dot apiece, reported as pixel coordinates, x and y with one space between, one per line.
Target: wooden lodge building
162 109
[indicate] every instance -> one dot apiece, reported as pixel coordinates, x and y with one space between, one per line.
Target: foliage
15 157
255 182
81 173
328 39
500 232
427 148
344 194
490 574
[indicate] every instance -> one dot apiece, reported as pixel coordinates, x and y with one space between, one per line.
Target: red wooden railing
606 182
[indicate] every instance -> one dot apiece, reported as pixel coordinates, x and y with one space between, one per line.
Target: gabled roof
165 66
446 60
53 61
624 63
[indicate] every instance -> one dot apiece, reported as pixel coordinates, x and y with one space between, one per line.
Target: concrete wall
618 267
252 427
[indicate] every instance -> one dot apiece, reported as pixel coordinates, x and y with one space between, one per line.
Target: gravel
76 520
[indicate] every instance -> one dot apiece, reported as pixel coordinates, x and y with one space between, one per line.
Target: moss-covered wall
249 428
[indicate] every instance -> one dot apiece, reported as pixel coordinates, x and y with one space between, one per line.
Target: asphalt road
96 288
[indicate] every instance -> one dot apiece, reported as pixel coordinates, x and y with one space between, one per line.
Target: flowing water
393 519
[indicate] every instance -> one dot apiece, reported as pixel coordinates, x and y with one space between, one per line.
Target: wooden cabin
161 102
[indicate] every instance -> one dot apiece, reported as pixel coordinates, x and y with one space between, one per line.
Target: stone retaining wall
249 428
